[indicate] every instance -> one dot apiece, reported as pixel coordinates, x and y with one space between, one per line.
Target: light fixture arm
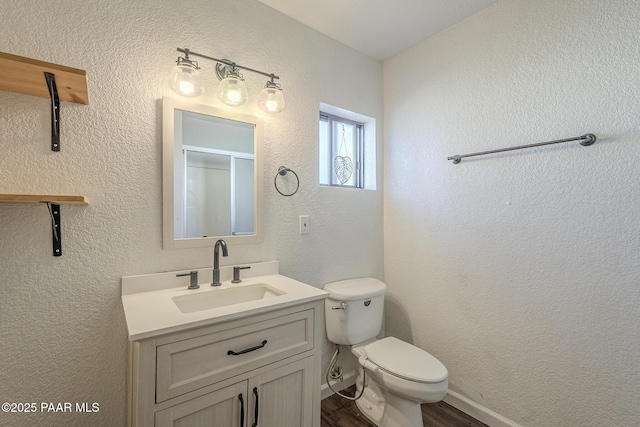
226 62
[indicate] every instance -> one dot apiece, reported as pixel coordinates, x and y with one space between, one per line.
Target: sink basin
216 298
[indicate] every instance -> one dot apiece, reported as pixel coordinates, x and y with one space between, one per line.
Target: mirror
212 175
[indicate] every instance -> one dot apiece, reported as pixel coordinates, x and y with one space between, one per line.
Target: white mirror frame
168 126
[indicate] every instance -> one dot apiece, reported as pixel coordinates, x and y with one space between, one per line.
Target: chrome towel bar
585 140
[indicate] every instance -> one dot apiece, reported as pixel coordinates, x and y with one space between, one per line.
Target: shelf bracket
55 110
54 211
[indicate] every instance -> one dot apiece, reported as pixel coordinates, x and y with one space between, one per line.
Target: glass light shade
271 100
185 80
232 91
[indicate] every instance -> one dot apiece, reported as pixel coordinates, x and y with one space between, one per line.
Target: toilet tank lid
354 289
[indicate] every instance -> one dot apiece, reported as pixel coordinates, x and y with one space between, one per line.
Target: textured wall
62 331
520 271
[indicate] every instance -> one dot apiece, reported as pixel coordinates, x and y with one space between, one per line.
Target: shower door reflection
219 199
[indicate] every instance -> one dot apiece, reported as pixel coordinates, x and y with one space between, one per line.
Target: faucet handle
236 274
193 279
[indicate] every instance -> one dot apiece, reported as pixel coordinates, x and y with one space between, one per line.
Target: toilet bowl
399 378
395 377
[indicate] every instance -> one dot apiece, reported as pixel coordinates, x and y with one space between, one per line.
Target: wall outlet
304 224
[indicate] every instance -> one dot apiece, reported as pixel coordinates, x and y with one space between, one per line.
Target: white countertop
150 310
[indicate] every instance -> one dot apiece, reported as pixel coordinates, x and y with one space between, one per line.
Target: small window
341 152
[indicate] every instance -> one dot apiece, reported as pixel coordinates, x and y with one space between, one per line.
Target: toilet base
386 409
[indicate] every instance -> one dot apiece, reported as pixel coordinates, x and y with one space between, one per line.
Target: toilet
397 377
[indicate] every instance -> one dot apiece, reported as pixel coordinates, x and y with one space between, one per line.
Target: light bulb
233 91
271 99
186 88
271 105
233 96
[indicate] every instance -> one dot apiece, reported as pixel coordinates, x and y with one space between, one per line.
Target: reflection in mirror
212 172
213 169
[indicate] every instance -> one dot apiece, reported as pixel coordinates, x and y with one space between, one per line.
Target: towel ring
283 171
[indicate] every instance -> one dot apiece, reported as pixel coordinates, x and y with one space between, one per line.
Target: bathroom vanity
235 355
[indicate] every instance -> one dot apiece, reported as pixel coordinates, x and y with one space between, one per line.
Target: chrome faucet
216 263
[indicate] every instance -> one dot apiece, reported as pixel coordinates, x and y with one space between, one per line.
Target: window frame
330 154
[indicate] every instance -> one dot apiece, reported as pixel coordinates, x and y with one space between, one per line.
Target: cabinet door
222 408
283 397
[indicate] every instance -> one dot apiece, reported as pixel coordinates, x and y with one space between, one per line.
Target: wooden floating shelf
34 198
53 203
26 75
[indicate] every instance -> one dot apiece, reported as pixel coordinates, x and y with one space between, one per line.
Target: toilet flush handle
342 306
367 364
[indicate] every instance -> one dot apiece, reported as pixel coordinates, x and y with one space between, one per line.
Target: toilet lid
406 361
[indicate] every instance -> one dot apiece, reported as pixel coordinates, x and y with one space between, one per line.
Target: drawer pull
255 415
258 347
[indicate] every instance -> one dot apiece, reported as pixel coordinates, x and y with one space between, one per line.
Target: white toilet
399 376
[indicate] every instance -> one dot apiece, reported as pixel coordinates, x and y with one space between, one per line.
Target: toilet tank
354 310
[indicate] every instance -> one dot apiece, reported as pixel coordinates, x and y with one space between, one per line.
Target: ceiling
379 29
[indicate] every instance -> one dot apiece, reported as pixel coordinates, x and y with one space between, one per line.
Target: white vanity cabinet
225 374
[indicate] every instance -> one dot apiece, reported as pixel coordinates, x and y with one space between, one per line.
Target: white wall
62 330
520 271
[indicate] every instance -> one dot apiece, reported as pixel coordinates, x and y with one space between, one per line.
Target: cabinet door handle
255 415
258 347
241 410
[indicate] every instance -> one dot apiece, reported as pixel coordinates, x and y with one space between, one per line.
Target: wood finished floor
339 412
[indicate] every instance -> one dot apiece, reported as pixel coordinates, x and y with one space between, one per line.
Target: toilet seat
406 361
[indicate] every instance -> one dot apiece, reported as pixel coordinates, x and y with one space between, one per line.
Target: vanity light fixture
232 90
185 80
271 99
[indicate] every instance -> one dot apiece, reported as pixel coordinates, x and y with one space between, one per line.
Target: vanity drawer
193 363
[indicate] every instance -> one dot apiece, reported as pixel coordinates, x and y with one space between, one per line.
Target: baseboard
347 381
477 411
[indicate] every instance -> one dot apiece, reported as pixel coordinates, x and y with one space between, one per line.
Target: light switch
304 224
